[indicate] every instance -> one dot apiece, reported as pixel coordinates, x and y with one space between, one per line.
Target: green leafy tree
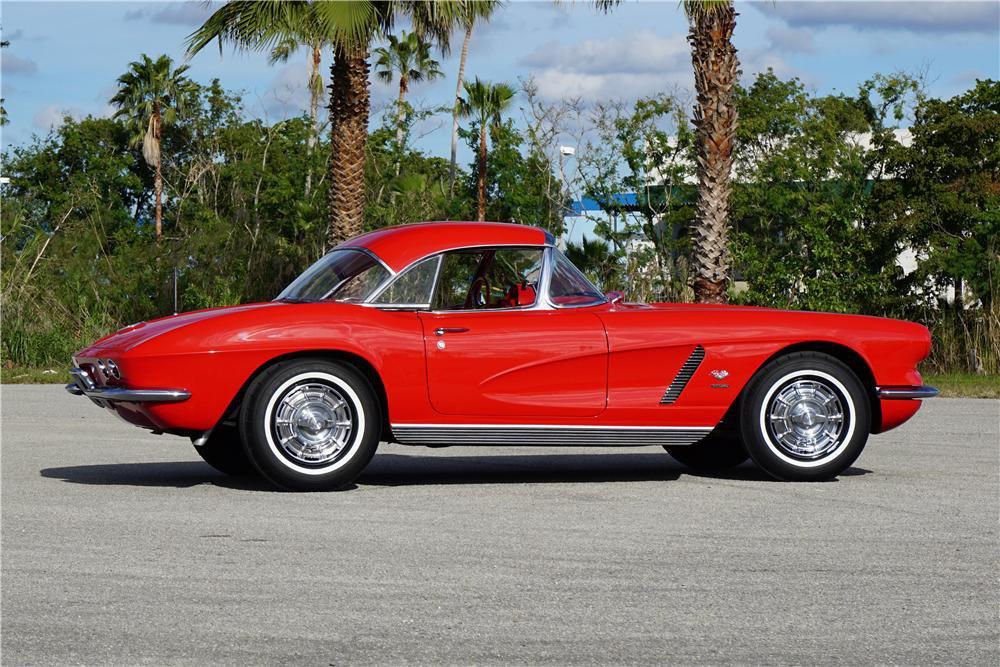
485 103
350 26
150 95
951 183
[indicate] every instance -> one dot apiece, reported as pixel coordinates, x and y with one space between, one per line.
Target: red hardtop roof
400 246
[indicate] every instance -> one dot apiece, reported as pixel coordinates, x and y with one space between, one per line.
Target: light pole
564 152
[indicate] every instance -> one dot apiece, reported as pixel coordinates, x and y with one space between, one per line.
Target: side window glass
511 280
459 270
412 288
569 287
489 279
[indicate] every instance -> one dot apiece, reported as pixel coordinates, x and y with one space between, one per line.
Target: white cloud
53 116
175 13
921 17
625 67
791 40
12 65
288 94
638 52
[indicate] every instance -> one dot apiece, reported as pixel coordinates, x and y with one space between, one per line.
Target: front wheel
311 424
805 417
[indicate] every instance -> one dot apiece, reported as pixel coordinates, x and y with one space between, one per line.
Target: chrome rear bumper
903 393
84 385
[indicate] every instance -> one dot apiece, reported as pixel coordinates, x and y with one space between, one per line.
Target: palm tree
282 52
409 56
350 26
716 71
469 15
149 96
485 103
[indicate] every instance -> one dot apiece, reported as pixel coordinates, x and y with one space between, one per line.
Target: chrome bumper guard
903 393
84 385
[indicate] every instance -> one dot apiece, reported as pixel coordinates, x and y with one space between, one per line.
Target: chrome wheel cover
313 423
806 419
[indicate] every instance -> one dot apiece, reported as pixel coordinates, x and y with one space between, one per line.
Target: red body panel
600 365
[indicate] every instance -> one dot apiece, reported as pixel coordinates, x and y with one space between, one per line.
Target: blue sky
65 56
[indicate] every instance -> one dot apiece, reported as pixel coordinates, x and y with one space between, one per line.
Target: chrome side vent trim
683 376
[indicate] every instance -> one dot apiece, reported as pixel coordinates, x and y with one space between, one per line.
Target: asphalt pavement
122 547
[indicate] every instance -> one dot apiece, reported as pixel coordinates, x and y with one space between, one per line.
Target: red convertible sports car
485 334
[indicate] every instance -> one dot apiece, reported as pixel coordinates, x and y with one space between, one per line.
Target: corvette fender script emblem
720 375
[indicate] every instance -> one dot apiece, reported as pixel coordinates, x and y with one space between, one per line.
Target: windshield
341 275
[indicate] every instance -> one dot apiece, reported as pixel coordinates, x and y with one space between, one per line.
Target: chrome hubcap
313 423
806 419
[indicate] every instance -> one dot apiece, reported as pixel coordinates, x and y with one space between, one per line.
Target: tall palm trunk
158 179
314 92
404 86
349 105
454 112
716 69
481 181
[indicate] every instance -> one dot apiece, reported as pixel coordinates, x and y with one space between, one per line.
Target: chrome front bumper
903 393
84 385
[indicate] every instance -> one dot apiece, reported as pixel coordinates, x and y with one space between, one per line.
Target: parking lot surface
119 546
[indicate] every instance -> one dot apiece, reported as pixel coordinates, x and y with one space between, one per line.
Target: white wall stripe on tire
849 408
347 392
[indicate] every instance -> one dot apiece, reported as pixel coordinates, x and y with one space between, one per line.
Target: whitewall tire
805 417
310 424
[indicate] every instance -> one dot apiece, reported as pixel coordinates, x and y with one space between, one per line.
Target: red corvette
485 334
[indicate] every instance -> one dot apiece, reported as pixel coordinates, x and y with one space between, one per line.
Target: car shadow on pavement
413 470
178 474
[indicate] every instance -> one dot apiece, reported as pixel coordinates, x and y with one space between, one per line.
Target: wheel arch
364 366
846 355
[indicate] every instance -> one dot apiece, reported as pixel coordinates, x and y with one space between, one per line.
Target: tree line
806 201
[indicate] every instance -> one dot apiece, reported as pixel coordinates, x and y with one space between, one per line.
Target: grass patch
965 385
28 375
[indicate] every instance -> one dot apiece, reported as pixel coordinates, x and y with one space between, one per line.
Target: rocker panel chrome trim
531 434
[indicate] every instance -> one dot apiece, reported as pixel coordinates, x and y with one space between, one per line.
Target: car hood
136 334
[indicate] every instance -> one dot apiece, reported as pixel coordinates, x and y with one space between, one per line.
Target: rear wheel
311 424
224 451
715 452
805 417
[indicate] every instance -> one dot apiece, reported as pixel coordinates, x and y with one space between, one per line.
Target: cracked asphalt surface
123 547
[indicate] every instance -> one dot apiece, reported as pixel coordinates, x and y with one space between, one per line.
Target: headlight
109 368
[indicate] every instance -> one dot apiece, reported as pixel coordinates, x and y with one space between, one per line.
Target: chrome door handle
440 331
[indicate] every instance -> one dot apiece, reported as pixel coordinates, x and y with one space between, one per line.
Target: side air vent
673 392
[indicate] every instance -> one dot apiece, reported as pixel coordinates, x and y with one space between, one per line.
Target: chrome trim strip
84 386
683 376
903 393
529 434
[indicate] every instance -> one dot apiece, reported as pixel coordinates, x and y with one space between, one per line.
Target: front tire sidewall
754 422
258 415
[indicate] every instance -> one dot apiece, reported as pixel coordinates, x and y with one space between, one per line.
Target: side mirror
614 297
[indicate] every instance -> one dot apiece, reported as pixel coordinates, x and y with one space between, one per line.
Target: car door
493 354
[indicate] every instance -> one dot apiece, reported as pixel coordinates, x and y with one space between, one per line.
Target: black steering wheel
479 294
